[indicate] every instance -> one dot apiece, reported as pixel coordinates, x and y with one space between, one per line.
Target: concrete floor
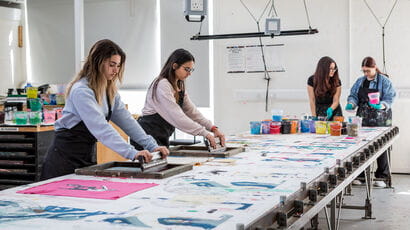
391 207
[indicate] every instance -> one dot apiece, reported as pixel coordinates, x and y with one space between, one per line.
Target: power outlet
197 5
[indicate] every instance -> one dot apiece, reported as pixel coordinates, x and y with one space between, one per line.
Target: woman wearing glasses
376 85
324 89
92 100
168 106
373 95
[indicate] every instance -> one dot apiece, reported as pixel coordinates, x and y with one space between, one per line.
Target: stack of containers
281 124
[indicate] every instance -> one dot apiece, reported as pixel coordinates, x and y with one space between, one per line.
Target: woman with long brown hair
91 101
324 89
168 106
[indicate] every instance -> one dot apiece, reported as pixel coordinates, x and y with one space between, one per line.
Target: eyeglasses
366 70
188 70
333 69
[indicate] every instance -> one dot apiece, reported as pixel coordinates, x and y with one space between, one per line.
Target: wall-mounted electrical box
195 10
272 26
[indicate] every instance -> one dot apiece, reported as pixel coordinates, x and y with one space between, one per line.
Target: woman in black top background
324 89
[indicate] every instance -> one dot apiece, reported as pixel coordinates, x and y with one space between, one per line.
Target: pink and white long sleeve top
187 119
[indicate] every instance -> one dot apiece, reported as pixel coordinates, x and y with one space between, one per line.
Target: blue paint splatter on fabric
194 222
254 184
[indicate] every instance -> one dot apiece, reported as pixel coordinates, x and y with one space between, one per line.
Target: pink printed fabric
88 189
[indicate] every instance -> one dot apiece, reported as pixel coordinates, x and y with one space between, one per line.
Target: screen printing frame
158 172
202 151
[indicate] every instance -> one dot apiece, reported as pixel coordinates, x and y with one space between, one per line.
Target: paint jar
285 128
255 127
49 116
60 99
34 117
2 117
45 98
352 130
294 126
277 114
59 112
9 114
312 126
321 127
265 127
338 118
305 126
21 117
356 120
328 125
35 104
335 128
374 98
61 88
275 127
344 128
53 99
32 92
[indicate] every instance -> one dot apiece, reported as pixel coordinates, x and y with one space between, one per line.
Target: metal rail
253 35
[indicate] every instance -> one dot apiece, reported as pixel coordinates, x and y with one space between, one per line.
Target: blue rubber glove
329 112
375 106
349 106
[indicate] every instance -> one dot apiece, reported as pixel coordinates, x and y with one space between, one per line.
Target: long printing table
281 181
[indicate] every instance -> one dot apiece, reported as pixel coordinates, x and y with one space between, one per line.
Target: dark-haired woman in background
324 89
379 114
168 106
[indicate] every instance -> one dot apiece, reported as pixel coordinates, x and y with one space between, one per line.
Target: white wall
347 33
300 55
132 24
12 75
176 33
51 32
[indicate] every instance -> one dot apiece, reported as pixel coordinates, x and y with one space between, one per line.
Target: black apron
323 103
371 116
158 127
71 149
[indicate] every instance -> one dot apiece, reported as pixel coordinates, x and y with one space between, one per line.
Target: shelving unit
22 151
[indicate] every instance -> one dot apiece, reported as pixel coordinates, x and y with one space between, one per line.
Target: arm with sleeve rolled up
388 94
353 98
123 118
165 105
91 114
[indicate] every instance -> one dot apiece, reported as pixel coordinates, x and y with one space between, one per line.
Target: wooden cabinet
105 154
22 151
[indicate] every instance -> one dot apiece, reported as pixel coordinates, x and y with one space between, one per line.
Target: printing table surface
217 194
